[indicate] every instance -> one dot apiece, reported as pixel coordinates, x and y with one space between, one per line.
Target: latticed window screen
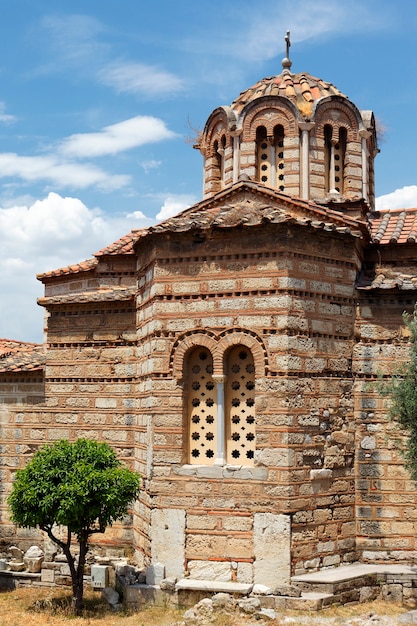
240 406
202 408
270 157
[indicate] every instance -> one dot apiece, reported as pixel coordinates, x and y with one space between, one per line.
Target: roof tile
18 356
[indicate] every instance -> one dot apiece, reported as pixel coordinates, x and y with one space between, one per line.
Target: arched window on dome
219 156
270 157
220 409
335 140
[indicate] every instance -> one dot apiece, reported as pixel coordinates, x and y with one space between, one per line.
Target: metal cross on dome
286 63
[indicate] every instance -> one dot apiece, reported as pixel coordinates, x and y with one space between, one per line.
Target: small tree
402 392
80 485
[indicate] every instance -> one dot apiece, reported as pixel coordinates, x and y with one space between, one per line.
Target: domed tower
297 134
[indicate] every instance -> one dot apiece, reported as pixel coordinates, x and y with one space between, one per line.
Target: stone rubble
248 611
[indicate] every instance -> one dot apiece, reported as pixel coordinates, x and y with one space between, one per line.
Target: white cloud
173 204
74 42
60 167
403 198
45 235
137 215
65 173
148 80
259 36
150 165
125 135
5 117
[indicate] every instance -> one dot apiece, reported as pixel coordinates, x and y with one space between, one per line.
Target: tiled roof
251 204
303 89
103 294
388 278
391 228
223 210
396 226
124 245
83 266
18 356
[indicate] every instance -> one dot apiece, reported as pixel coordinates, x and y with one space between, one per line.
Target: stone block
210 570
47 576
168 540
272 537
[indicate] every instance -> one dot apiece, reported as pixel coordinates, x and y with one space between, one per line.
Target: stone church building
228 353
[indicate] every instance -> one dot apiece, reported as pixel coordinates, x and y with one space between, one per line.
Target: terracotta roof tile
211 212
103 294
249 204
124 245
18 356
388 278
300 88
83 266
394 227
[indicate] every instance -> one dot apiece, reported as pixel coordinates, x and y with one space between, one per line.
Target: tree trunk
78 588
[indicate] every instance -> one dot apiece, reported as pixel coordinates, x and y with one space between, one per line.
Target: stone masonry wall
386 497
288 294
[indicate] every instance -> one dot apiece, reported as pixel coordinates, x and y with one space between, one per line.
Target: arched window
221 409
202 407
240 406
219 156
339 160
334 157
270 157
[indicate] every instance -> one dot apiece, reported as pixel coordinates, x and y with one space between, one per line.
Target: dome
296 134
302 89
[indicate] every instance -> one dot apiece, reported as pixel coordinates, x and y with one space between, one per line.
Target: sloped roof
102 294
394 226
247 203
124 245
83 266
388 278
18 356
302 89
388 229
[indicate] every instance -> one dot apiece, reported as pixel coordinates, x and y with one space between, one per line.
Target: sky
100 102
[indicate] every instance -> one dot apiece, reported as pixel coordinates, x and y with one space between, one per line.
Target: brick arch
229 339
184 345
269 113
336 114
216 128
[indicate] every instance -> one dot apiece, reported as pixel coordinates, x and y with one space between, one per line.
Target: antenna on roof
286 62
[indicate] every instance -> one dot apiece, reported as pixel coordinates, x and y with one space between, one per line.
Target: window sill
241 472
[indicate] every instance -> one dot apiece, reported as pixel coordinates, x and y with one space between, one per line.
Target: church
228 353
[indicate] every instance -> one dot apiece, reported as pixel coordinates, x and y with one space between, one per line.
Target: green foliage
80 485
402 392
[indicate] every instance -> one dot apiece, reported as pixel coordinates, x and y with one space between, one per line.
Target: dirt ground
39 606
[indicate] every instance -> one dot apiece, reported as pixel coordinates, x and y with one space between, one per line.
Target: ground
37 607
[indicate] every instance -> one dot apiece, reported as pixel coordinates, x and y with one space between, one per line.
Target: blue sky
100 100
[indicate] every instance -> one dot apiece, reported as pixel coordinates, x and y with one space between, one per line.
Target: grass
36 606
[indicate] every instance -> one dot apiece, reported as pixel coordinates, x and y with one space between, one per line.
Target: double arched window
221 409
